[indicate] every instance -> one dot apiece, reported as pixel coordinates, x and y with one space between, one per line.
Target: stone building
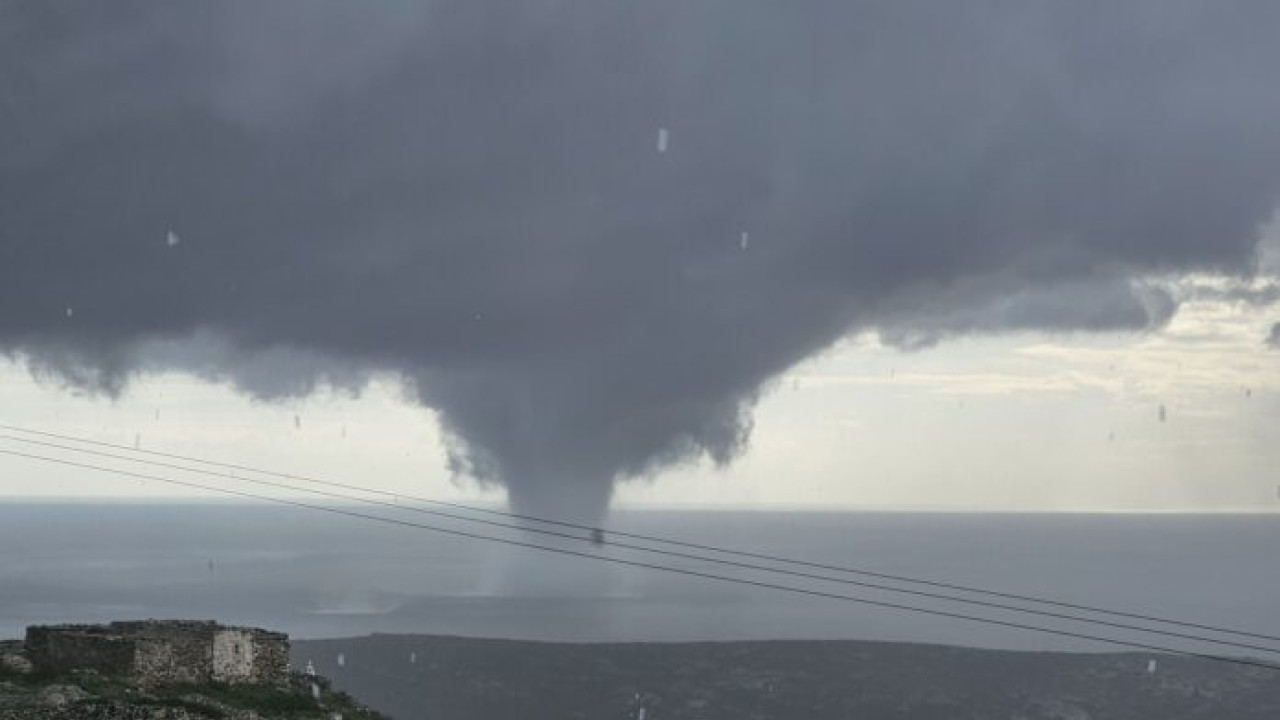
158 652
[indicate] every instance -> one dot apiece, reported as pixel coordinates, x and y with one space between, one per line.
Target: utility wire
665 568
670 541
671 553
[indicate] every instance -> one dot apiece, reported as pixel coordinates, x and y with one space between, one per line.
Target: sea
342 572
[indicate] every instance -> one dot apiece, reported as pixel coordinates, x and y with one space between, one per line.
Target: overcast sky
993 254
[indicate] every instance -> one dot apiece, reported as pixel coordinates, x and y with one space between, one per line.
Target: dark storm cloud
1103 301
1256 295
470 194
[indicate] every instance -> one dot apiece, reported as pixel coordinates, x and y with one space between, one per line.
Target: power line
682 555
681 543
665 568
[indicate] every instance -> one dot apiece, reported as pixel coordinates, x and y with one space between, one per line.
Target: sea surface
317 574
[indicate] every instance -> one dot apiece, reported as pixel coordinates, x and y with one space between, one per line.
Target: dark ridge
453 678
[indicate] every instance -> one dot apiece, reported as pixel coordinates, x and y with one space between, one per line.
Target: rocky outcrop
13 660
95 698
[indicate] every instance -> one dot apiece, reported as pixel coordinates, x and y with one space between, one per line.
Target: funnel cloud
469 195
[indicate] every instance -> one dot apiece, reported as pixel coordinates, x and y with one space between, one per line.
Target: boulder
60 695
15 663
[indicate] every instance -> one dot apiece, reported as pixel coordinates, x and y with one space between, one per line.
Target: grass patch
95 684
264 699
191 706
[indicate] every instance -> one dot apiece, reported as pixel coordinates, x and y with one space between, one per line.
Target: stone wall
160 661
270 657
249 655
55 649
162 652
233 653
171 651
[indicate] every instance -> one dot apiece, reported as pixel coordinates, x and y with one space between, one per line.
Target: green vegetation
94 683
265 699
192 706
207 700
272 701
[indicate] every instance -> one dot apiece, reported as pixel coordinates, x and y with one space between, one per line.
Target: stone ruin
162 652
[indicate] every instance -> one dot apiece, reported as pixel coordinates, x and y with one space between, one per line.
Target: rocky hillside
444 678
86 695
